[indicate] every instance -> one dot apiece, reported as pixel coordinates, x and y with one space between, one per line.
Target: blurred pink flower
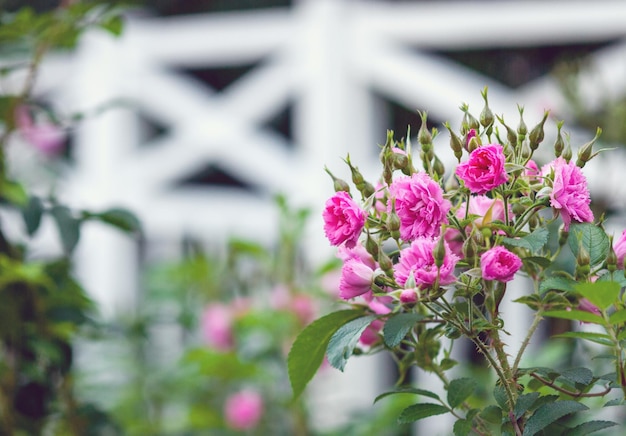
420 206
46 137
343 219
570 194
243 409
484 170
418 261
216 326
304 308
500 264
370 334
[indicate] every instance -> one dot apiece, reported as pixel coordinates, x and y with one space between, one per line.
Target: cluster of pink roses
440 228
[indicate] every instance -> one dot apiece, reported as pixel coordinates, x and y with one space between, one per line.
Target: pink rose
343 219
243 410
620 249
500 264
356 279
570 195
418 261
216 326
484 170
420 206
46 137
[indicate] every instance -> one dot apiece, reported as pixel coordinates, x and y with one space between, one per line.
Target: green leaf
462 427
617 276
618 317
524 402
589 427
558 283
420 411
592 238
397 326
543 262
499 393
533 242
492 414
602 294
408 390
459 390
342 343
578 375
32 214
120 218
575 315
307 352
68 225
14 193
549 413
598 338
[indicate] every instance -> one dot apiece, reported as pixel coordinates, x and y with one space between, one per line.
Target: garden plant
427 258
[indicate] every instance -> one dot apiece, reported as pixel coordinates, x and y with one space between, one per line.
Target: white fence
328 60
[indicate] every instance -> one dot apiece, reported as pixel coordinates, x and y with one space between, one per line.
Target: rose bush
442 249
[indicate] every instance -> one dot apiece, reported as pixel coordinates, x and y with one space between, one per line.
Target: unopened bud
367 189
439 252
533 222
385 263
585 153
357 177
455 142
518 208
438 167
386 150
393 225
526 150
338 184
582 258
567 154
423 135
400 161
511 136
559 144
486 115
469 121
537 133
371 246
522 130
469 250
473 144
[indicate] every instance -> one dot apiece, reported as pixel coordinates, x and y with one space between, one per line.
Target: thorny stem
485 352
